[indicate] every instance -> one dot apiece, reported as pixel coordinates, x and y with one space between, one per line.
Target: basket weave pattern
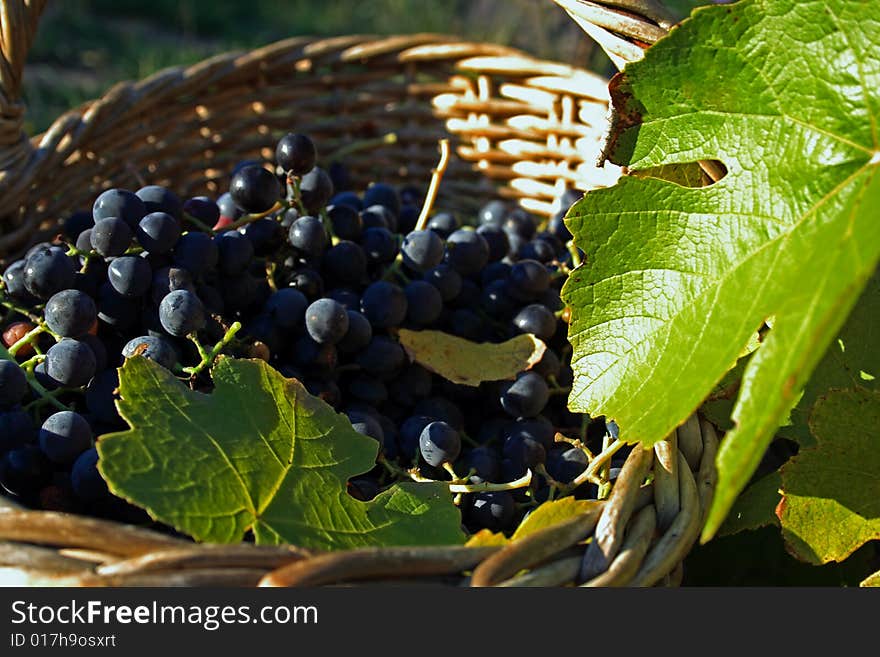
522 128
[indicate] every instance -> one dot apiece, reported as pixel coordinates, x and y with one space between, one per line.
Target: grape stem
457 485
296 193
436 177
208 357
575 254
251 218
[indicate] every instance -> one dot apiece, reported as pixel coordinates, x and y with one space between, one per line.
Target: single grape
537 249
87 482
384 304
422 250
485 463
379 244
521 223
64 436
308 236
13 279
423 303
71 363
346 221
265 235
24 470
528 278
111 237
347 198
320 359
181 313
158 232
411 385
101 395
16 429
202 208
116 310
235 252
566 464
496 240
345 263
296 154
47 271
382 357
367 389
130 276
443 223
537 320
168 279
366 425
160 199
526 396
549 365
494 510
382 194
409 434
358 335
445 279
254 189
119 203
362 489
346 296
467 252
70 313
309 282
156 349
493 213
196 252
439 443
466 324
326 321
496 300
316 189
13 384
522 449
287 308
409 217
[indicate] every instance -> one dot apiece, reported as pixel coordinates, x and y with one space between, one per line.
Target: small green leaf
470 363
677 280
259 453
831 503
553 513
755 507
545 515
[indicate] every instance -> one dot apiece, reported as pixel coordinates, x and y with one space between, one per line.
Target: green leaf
552 513
545 515
847 360
470 363
259 453
755 507
831 502
677 280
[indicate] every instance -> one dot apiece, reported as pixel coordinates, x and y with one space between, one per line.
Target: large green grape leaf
831 492
677 280
258 453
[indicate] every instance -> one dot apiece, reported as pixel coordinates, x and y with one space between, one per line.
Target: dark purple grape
467 252
181 313
316 189
439 443
70 313
326 321
71 363
159 350
346 221
296 154
64 436
423 303
161 199
382 194
358 335
443 224
130 276
494 511
158 232
254 189
119 203
537 320
48 270
287 308
13 384
308 236
384 304
526 396
422 250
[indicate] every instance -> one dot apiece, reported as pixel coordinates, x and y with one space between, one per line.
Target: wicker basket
522 128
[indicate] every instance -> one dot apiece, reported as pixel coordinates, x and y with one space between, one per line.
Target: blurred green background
84 46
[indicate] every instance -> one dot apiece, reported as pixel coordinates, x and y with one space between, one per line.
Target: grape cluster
315 279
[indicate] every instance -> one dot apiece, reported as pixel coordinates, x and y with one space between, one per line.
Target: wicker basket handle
18 26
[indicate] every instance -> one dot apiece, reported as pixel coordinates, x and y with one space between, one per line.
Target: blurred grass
84 46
